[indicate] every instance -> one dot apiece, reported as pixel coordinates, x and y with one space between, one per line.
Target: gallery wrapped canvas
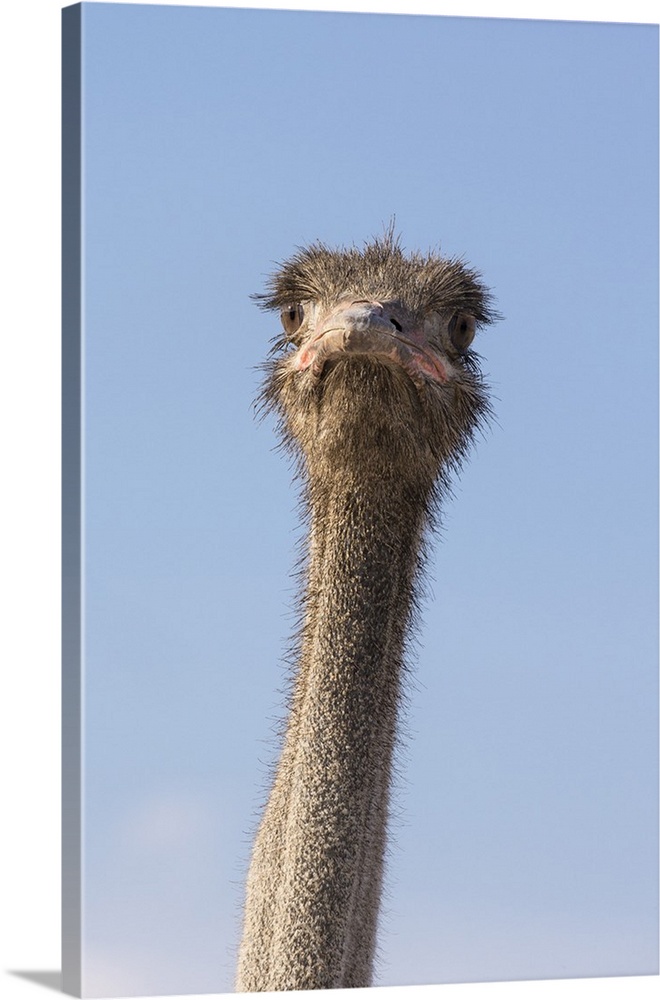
359 520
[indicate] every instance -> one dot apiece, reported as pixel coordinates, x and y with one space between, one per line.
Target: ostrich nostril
395 323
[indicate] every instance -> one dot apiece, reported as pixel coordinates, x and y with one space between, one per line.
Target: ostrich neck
314 882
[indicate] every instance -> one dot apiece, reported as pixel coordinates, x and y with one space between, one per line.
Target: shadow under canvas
52 980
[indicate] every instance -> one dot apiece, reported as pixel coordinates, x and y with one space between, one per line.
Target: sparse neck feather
315 880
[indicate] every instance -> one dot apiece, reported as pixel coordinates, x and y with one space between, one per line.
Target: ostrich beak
369 327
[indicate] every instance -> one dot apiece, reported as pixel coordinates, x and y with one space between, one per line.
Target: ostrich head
373 369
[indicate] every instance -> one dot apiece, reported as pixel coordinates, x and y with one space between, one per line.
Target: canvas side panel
71 502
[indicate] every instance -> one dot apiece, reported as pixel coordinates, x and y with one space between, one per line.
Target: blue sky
216 141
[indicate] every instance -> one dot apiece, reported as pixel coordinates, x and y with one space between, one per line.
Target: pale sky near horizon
215 142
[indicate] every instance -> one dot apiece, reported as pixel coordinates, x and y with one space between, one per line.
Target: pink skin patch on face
431 365
303 358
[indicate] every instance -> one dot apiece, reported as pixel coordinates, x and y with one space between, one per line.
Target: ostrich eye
461 331
292 318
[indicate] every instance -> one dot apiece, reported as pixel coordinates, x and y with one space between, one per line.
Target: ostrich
378 396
